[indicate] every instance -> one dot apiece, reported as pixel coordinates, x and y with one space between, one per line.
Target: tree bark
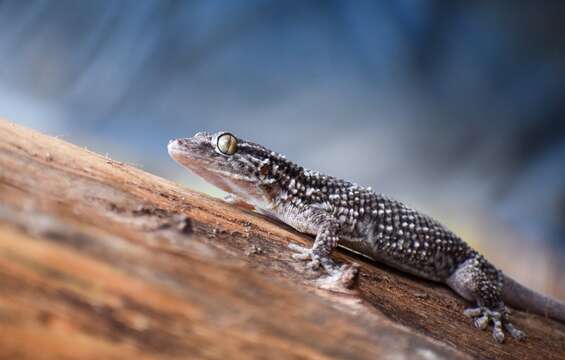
99 259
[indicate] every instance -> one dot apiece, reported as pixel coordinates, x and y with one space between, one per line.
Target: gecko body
340 212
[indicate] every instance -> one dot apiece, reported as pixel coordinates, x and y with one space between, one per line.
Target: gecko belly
419 270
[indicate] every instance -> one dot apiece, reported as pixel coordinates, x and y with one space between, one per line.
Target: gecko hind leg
477 280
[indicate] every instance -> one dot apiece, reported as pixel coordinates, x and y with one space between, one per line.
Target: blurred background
455 107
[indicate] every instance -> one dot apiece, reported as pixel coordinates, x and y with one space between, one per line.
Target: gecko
339 212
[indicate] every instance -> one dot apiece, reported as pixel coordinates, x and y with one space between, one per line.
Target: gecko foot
304 253
338 276
483 316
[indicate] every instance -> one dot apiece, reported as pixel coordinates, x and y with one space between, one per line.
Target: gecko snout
174 146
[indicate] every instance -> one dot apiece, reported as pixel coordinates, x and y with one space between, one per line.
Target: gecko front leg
319 254
326 241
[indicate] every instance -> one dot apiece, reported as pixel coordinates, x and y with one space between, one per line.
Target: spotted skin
340 212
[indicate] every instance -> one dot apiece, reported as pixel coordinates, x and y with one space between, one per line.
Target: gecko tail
520 297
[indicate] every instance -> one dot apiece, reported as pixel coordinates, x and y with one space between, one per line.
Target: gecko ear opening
265 169
227 144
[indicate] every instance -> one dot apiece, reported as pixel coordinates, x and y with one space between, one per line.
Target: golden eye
227 144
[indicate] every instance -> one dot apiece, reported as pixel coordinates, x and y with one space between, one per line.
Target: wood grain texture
99 259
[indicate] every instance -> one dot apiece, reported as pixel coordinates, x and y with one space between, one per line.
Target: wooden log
99 259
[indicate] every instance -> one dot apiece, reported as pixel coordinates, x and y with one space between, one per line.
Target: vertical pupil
226 144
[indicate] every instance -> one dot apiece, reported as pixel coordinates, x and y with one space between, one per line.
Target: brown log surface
100 260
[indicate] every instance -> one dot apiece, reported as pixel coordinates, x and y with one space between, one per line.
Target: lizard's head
240 167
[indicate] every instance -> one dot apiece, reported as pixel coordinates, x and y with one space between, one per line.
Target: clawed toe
481 322
298 248
515 333
303 253
301 256
313 264
499 319
315 261
472 312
